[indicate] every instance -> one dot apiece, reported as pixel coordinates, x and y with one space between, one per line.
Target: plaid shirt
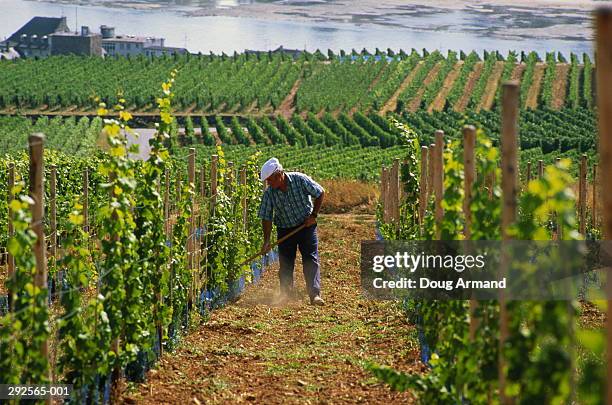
290 208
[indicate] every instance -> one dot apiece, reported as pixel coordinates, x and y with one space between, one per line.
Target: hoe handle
278 242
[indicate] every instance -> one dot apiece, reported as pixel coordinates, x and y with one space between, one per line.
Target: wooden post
509 145
203 182
423 190
430 169
402 189
53 220
582 194
395 195
192 230
86 200
528 172
384 196
594 220
540 169
213 182
245 211
37 193
603 54
438 181
382 190
11 228
469 144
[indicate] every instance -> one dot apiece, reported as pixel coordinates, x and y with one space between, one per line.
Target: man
288 201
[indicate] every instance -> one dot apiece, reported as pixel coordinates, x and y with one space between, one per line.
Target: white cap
271 166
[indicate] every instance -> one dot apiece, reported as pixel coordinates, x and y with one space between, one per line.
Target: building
33 38
124 45
67 43
45 36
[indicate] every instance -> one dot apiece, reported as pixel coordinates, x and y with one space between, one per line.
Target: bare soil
560 85
415 103
287 107
486 103
469 87
259 352
517 73
391 104
440 100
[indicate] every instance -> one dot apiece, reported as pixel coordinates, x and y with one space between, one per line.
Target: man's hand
310 221
266 246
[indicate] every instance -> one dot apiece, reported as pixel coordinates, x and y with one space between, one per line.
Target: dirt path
440 100
469 87
517 73
560 85
534 91
415 103
391 104
486 103
288 105
254 352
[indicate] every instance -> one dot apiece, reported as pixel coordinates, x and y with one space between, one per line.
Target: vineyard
123 272
278 83
474 347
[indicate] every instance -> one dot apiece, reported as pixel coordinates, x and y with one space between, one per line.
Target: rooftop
40 26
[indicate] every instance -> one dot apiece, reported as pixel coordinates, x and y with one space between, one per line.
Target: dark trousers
307 241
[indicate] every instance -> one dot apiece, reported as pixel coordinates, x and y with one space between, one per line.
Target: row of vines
135 252
247 82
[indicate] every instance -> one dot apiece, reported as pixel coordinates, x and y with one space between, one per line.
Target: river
229 25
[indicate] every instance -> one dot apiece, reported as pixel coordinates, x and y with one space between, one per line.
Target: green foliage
587 84
536 349
26 329
527 80
549 80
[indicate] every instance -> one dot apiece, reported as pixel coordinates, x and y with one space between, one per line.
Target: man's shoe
317 300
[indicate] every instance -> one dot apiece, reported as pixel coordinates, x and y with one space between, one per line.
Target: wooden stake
203 182
603 54
395 194
192 230
423 190
582 194
86 200
509 144
245 208
37 193
528 172
430 169
382 190
469 144
438 181
540 169
594 220
53 221
11 228
383 193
